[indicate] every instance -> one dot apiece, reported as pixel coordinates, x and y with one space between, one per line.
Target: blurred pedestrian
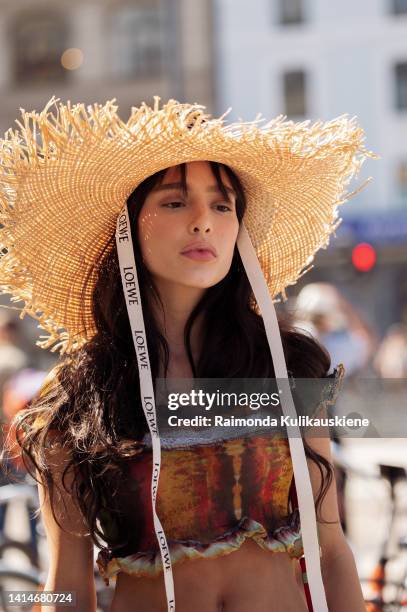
18 392
12 356
12 360
391 358
321 310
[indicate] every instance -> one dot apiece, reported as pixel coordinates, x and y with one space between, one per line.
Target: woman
201 322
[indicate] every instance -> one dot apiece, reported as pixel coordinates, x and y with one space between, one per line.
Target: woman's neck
178 302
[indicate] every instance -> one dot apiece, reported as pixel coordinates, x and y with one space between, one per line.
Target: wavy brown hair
93 403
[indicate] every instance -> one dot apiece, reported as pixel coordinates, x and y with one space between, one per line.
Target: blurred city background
306 59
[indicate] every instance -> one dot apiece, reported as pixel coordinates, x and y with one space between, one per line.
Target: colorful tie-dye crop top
210 498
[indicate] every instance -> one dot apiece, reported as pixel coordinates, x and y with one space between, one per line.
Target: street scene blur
306 60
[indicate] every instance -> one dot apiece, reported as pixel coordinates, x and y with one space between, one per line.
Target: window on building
39 41
294 86
290 11
138 39
401 85
399 7
402 181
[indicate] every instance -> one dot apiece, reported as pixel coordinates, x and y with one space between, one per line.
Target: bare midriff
248 579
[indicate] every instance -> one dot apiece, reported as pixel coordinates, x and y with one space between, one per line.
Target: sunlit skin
168 223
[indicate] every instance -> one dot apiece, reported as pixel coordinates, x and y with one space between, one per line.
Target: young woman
227 508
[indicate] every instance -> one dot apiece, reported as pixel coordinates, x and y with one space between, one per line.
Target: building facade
95 50
312 59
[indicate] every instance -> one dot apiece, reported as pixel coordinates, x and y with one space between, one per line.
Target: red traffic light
363 257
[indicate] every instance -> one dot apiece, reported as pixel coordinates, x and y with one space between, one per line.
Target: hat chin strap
300 467
258 283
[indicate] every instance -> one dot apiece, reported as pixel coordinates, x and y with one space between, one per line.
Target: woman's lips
199 254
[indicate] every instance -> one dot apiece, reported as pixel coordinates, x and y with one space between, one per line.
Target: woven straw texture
68 170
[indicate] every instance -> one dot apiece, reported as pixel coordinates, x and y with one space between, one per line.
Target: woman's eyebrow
212 188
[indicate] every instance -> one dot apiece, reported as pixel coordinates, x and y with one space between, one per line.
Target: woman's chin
194 281
200 283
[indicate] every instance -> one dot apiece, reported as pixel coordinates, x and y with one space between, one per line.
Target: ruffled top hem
148 564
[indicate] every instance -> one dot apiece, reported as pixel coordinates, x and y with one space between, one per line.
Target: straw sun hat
67 171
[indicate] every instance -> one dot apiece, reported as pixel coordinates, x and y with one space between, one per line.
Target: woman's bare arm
71 566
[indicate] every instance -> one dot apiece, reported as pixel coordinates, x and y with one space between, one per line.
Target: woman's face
189 239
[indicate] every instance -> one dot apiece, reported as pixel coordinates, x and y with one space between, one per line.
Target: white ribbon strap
300 467
131 292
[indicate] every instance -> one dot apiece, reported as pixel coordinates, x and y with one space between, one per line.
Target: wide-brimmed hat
65 176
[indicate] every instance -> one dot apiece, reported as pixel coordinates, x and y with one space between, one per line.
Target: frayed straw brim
66 175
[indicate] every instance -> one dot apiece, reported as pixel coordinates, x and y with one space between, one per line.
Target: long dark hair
93 403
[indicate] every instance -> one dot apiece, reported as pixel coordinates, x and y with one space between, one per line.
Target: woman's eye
224 207
170 204
178 204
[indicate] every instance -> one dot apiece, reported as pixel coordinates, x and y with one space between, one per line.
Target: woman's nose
200 220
